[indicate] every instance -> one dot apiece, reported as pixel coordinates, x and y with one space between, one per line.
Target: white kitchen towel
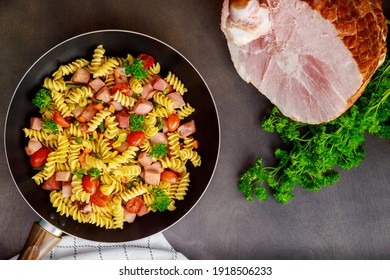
155 247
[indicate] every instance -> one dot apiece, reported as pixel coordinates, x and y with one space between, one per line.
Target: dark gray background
350 220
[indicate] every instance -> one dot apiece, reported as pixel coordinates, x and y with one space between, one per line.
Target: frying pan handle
42 238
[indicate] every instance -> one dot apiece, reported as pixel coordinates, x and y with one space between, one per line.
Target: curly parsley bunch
317 150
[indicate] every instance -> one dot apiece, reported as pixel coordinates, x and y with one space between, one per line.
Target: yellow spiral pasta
189 154
58 85
78 192
124 100
70 68
98 119
94 162
75 131
150 131
59 202
95 140
134 192
185 111
163 100
97 59
174 143
77 94
38 134
161 112
182 187
135 85
106 68
174 81
173 163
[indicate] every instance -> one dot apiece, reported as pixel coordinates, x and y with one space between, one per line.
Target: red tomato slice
121 87
39 158
173 122
100 199
135 138
148 59
58 119
134 205
169 176
90 186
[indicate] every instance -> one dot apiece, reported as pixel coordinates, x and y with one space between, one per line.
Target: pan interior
116 43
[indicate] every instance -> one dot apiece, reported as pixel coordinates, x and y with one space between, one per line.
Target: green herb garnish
43 99
158 150
137 123
136 68
79 173
94 172
50 125
161 200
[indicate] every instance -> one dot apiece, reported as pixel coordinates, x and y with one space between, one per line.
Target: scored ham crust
311 58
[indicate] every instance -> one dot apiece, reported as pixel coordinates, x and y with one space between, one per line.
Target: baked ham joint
311 58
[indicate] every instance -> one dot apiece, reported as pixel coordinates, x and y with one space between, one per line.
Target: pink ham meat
311 58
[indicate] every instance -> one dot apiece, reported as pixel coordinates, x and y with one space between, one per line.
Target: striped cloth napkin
155 247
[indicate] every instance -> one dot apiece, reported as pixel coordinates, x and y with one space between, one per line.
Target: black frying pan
116 43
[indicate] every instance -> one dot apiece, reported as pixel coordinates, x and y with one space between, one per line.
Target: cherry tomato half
100 199
134 205
135 138
169 176
39 158
148 59
90 186
58 119
173 122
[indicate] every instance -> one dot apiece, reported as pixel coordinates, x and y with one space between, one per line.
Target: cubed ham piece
144 210
118 107
63 176
129 217
154 167
159 83
36 123
120 76
150 94
146 89
104 94
32 146
159 137
152 177
187 129
51 184
96 84
86 208
84 128
145 159
177 99
89 112
123 147
77 111
123 120
165 128
66 189
142 107
81 76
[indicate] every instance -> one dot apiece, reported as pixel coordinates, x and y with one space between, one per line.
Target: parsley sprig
137 123
136 68
318 150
